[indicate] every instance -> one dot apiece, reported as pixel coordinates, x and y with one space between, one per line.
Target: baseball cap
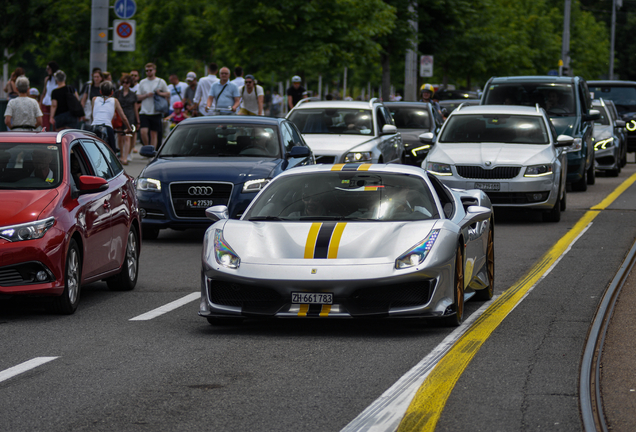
34 92
191 76
296 78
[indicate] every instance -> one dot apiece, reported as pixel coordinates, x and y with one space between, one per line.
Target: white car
510 152
348 131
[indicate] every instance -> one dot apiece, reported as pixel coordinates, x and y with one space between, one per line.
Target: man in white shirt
149 118
252 96
203 89
177 90
238 73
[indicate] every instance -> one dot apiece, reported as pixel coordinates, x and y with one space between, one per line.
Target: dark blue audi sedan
209 161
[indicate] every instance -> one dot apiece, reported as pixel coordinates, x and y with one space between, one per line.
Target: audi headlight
223 253
148 184
27 231
439 169
577 145
538 171
603 144
255 185
423 149
416 255
359 157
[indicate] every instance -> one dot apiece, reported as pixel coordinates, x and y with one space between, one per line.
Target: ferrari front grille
241 295
477 172
382 298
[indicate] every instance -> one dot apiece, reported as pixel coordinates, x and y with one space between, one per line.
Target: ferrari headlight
223 253
439 169
148 184
577 145
26 231
603 144
359 157
538 171
416 255
421 149
255 185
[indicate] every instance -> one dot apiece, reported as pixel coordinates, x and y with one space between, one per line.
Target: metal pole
410 64
320 86
344 90
611 66
565 48
99 35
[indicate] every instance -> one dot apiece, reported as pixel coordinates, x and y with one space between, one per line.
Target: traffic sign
124 35
125 9
426 66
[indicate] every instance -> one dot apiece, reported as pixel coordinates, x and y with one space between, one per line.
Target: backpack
74 105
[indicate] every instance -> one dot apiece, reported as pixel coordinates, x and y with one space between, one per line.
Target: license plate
199 203
312 298
487 186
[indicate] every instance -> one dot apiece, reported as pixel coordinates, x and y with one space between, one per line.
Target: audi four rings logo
200 190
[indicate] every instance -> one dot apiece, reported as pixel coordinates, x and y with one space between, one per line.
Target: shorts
66 120
152 122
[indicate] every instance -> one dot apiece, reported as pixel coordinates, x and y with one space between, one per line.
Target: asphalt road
176 372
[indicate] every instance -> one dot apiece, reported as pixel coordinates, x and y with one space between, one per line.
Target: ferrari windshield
249 140
30 166
342 195
333 121
411 118
556 99
624 97
495 128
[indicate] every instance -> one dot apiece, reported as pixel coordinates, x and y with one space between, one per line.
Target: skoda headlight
27 231
422 149
577 145
538 171
603 144
416 255
148 184
255 185
439 169
359 157
223 253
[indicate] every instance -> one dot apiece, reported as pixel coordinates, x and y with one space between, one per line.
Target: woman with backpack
104 108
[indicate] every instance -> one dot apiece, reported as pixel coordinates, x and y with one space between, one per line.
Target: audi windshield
217 140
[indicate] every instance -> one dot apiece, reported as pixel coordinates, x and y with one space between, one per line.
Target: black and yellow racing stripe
351 167
323 240
314 310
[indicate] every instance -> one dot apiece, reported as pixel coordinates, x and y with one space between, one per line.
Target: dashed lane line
24 367
168 307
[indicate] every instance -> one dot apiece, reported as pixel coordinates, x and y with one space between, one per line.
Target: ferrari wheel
457 318
66 304
487 293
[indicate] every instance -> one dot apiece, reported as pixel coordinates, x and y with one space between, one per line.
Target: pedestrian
45 96
252 96
277 105
104 108
224 93
130 106
22 113
295 92
34 94
177 115
239 81
61 116
191 91
177 90
107 76
90 91
149 118
203 89
10 88
134 85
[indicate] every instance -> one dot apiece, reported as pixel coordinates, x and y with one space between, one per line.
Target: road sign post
124 35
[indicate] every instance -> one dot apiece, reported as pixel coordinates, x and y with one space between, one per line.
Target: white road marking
23 367
167 308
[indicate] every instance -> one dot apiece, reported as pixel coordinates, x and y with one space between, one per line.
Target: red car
68 216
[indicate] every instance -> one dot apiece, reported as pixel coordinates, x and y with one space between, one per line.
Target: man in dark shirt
295 92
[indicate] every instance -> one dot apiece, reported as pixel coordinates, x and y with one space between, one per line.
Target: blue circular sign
125 9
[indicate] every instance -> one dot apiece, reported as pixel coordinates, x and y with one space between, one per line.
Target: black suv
568 102
623 94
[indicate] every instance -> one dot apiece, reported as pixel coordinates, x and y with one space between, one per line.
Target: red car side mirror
91 184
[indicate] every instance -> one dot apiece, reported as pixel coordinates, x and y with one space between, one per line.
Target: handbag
161 105
117 122
74 105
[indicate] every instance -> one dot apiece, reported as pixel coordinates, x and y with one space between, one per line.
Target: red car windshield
28 166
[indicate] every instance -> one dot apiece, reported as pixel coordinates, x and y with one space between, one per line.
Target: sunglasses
249 82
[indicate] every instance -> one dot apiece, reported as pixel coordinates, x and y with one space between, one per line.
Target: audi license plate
195 204
487 186
312 298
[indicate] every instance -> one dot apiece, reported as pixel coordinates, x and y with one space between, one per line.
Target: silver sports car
350 240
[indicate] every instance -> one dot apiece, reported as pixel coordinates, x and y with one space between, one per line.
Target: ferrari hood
301 243
229 169
496 153
334 144
23 206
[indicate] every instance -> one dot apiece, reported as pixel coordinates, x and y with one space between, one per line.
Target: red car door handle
124 195
106 204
